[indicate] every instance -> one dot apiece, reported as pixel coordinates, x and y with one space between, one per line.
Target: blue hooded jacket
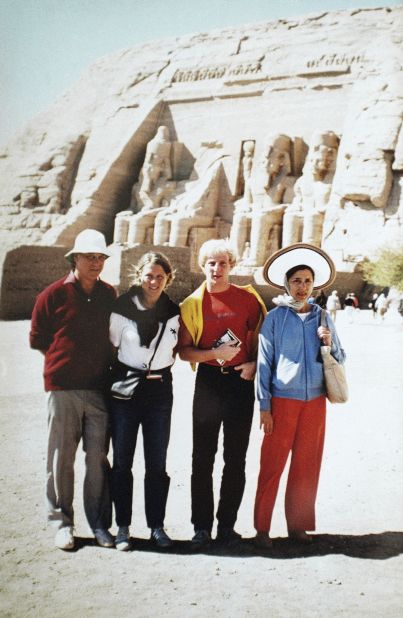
289 363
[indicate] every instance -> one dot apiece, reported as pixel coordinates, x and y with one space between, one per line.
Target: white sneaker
122 541
64 538
103 537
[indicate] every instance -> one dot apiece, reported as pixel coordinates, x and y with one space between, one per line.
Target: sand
353 568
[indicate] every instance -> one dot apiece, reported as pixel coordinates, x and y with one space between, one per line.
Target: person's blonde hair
214 247
153 257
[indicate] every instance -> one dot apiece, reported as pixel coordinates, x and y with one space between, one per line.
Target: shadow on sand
371 546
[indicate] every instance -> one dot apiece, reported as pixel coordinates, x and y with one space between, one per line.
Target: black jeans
219 399
151 406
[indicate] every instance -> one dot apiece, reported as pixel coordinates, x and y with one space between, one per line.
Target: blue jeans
150 407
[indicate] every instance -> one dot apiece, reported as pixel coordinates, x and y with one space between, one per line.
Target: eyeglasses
94 257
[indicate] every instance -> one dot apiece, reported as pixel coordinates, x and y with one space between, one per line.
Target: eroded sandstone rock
219 96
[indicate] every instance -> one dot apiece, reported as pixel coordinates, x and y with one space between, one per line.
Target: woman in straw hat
291 389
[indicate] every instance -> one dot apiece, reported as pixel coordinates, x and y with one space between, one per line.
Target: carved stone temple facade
268 134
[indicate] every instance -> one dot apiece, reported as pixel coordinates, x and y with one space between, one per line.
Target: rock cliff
78 164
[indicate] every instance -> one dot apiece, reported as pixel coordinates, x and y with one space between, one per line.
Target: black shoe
263 541
122 540
201 540
300 536
160 538
228 536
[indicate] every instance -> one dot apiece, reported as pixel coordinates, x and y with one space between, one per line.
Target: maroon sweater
72 328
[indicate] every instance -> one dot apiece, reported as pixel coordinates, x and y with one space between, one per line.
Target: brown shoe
300 536
263 541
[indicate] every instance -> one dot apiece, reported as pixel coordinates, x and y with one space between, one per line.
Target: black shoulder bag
125 379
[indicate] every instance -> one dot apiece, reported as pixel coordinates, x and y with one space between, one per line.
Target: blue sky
46 44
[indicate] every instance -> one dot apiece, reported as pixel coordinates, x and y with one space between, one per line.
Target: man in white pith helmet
70 326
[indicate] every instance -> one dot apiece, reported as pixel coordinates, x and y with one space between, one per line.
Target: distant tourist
144 330
219 326
333 304
291 391
70 326
350 305
381 305
321 299
372 304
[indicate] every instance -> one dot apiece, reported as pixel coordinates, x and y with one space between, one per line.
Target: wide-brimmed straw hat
89 241
279 264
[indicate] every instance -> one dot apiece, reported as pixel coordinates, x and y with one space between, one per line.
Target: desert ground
353 568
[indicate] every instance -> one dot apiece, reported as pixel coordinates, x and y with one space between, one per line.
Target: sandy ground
353 568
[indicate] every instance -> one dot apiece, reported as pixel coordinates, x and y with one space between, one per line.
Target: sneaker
201 539
122 541
64 538
228 536
160 538
263 541
103 537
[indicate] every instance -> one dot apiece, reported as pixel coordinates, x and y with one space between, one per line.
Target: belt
224 369
157 374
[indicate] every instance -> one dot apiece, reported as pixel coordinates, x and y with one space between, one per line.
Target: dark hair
294 269
152 257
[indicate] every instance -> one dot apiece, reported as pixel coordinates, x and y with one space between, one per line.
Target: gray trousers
74 415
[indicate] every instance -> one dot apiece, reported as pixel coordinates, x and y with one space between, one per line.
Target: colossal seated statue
154 188
156 170
270 188
303 219
168 209
196 207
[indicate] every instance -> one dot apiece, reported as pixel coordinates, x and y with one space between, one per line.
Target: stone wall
28 270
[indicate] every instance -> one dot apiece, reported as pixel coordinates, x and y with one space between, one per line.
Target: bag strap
323 322
157 344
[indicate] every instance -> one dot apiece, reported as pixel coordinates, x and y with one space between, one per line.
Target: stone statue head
162 134
248 148
278 158
323 152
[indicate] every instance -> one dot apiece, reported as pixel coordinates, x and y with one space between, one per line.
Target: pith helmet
89 241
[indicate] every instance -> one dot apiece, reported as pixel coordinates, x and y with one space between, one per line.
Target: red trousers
299 427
